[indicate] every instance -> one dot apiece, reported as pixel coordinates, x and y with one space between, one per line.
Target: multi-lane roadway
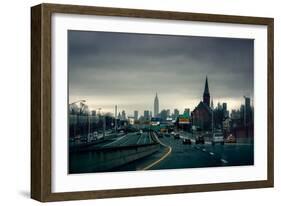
135 138
175 155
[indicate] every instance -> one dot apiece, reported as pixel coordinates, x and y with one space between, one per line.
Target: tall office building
150 114
123 115
175 114
224 108
136 115
156 106
146 115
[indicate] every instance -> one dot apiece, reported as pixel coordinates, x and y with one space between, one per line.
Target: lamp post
103 123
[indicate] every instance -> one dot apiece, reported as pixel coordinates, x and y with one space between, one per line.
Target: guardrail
106 158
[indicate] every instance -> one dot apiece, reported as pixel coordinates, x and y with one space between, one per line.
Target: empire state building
156 106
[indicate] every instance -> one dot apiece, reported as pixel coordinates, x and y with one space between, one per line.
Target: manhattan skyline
127 70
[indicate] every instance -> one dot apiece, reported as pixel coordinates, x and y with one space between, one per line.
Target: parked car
140 132
230 139
217 138
176 135
186 141
199 139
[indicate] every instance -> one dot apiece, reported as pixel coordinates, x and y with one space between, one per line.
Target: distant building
175 114
94 113
247 111
242 113
156 106
123 117
131 120
164 114
119 116
202 114
146 115
186 111
136 115
224 108
168 113
206 94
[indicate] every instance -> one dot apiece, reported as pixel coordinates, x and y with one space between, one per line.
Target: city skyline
106 71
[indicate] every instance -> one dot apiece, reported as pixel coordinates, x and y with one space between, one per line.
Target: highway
177 155
205 155
130 139
173 154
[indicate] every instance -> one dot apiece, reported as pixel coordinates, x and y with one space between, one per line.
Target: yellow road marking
162 158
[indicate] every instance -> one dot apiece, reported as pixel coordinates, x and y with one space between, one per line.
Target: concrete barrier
105 159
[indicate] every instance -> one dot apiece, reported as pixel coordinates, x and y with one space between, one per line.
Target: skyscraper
123 115
136 115
176 114
156 106
206 94
146 115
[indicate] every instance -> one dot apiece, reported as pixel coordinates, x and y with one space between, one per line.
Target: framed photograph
130 102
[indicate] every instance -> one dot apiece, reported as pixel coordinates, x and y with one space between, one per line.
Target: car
176 135
84 139
92 136
172 133
160 135
230 139
140 132
217 138
186 141
199 139
167 134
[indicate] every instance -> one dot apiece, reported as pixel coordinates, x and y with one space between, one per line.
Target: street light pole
103 123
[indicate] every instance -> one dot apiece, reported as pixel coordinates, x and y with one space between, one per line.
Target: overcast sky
123 69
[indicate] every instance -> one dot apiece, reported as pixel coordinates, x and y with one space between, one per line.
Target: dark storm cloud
125 66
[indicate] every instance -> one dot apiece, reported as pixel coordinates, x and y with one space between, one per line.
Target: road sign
184 119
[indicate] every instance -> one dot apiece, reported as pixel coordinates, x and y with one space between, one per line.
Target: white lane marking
139 139
144 138
117 140
204 150
124 143
211 153
224 161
